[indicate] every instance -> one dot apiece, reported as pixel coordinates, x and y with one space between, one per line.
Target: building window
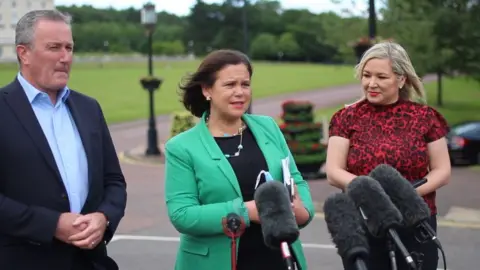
14 17
1 50
44 5
14 4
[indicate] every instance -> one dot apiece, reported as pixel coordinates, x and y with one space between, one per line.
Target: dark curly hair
206 75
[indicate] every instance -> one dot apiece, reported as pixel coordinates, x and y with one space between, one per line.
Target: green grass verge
116 86
461 98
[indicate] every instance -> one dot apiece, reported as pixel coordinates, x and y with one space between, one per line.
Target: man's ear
22 54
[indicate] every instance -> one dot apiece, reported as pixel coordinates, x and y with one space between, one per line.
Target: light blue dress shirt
64 140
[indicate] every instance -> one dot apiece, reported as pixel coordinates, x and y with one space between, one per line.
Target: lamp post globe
148 15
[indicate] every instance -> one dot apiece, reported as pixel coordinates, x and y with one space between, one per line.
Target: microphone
233 227
279 226
345 226
381 215
413 207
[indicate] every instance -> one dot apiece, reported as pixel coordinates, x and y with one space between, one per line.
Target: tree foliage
440 35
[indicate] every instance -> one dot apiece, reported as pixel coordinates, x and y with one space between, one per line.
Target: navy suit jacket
32 194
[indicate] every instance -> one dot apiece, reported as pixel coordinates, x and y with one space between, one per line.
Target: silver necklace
240 145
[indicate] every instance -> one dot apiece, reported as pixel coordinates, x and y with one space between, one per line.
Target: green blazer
201 188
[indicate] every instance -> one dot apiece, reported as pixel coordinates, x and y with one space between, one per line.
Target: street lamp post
150 83
245 38
372 20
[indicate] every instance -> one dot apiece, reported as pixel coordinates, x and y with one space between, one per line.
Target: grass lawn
461 98
116 86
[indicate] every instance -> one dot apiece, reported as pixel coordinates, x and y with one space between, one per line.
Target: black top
253 254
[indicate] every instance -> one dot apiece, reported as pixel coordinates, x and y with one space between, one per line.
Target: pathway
129 135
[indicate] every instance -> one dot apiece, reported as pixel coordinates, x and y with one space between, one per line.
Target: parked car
464 143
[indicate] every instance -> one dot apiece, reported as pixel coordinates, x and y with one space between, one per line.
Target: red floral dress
396 134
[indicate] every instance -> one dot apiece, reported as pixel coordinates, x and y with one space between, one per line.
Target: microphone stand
392 235
391 253
360 265
233 227
287 256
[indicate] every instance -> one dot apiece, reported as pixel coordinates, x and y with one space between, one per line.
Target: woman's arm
440 168
252 211
336 163
186 213
301 213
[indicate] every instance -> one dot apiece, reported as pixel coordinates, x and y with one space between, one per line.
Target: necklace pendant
237 154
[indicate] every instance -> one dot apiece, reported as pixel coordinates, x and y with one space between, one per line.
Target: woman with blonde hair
389 126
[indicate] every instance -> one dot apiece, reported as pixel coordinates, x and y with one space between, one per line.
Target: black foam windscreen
413 207
344 224
375 205
234 222
276 214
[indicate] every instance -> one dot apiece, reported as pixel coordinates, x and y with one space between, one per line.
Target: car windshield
469 128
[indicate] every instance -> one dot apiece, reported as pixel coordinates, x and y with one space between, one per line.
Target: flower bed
364 43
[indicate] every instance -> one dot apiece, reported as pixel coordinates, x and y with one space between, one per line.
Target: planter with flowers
150 83
303 137
364 43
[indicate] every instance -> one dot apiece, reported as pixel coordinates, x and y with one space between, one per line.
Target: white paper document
287 178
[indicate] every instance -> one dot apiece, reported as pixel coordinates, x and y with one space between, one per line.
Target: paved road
159 252
146 240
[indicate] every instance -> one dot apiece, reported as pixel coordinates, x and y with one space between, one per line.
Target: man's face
47 61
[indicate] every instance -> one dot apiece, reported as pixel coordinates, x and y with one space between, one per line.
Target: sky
182 7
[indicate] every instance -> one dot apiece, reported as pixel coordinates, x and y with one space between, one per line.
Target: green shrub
182 121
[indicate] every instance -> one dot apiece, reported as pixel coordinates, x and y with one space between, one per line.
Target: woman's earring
208 98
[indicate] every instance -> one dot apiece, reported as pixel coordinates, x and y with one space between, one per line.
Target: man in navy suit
62 191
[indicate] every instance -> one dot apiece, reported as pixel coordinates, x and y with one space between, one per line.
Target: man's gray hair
25 29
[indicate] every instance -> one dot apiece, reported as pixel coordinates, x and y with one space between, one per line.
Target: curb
441 222
125 158
135 156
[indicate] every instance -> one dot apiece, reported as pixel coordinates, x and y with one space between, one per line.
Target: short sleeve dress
395 134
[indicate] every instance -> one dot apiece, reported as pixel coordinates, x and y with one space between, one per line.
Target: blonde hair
402 66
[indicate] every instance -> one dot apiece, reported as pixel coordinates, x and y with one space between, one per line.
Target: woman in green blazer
213 169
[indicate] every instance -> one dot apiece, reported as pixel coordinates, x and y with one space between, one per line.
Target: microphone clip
418 257
422 234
